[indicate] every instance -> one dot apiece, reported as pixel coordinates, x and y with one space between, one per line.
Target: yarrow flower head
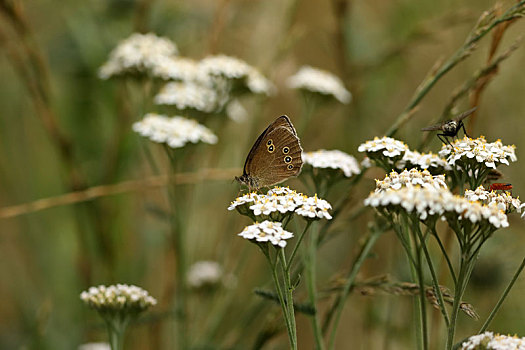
279 203
471 151
204 274
491 341
410 178
504 201
118 298
138 54
319 81
234 69
191 95
207 86
267 231
175 132
176 68
385 152
94 346
475 158
334 159
431 202
424 161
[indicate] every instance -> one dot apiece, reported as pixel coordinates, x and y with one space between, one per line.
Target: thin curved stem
445 254
288 289
311 287
435 280
294 252
338 305
502 298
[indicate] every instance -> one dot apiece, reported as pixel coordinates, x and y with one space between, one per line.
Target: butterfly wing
282 121
276 155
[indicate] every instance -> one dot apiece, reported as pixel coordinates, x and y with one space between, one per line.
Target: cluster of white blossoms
279 202
208 85
190 95
140 53
333 159
175 131
319 81
176 68
491 341
94 346
267 231
503 200
467 150
385 146
204 273
428 202
410 178
234 68
118 297
429 161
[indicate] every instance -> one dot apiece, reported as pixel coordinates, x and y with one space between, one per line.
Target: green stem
458 294
445 254
420 281
435 281
502 298
338 305
116 328
280 295
311 286
289 299
294 252
179 248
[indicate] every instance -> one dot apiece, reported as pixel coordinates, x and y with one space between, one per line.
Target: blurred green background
381 49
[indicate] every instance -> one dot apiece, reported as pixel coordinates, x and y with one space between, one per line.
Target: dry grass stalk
119 188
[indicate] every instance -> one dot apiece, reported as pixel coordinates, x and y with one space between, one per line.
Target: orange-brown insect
500 186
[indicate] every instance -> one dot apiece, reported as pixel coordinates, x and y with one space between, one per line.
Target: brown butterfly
275 156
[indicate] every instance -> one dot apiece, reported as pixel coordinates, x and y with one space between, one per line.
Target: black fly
450 128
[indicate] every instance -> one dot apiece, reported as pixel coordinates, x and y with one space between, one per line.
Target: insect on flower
500 186
450 128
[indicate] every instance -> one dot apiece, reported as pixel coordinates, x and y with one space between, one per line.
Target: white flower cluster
504 201
410 178
333 159
428 202
319 81
429 161
190 95
206 85
491 341
267 231
386 146
140 53
176 68
234 68
279 202
204 273
94 346
175 131
478 150
118 297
